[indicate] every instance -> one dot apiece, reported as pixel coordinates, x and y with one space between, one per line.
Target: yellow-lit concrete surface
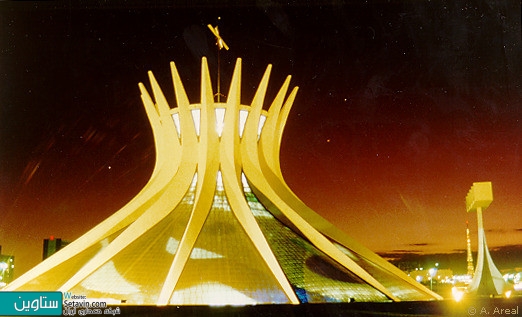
216 224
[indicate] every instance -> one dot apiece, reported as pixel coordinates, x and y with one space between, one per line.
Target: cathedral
216 224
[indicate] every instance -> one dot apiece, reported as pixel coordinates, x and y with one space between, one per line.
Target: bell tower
487 279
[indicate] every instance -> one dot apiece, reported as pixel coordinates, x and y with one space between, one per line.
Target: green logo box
30 303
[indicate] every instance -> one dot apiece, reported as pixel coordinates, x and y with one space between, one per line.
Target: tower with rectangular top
487 280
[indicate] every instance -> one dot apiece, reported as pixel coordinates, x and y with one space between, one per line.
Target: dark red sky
402 106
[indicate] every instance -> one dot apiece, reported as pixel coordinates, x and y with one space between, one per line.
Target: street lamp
432 272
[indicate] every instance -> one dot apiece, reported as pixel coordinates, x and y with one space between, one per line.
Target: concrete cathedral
216 224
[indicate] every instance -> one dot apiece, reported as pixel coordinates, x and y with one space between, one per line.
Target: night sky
402 106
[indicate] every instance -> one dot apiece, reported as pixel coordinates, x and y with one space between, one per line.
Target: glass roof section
127 276
394 284
225 268
315 277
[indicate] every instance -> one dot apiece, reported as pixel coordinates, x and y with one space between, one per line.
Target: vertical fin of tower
231 172
487 279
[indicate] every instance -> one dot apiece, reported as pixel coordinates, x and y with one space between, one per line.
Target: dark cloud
505 257
459 250
514 248
493 231
420 244
502 231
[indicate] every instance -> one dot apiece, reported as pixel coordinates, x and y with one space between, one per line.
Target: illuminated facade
216 224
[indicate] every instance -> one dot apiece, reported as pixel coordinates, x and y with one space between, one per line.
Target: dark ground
469 307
